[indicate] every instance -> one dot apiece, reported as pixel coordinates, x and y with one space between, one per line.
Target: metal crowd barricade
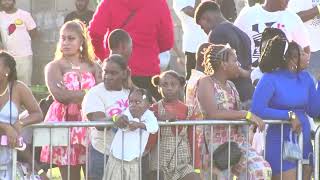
46 134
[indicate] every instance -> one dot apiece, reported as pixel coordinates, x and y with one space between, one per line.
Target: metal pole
300 165
14 164
317 155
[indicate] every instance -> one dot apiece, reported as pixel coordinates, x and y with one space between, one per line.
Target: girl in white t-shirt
129 142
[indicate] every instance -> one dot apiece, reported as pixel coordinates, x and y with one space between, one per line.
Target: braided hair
10 62
270 33
277 53
214 56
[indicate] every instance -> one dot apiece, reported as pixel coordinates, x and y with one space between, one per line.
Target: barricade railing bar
63 129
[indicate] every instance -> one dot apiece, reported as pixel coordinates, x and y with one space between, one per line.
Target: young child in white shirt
129 142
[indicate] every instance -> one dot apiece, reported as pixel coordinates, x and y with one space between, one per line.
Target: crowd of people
249 64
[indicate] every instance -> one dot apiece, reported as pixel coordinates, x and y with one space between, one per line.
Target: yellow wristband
197 171
114 118
248 116
40 172
86 91
318 6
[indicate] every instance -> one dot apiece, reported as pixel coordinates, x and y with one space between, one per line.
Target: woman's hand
18 126
12 136
122 121
296 125
135 125
258 122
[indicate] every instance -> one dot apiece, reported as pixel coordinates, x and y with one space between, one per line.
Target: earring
294 68
7 74
81 48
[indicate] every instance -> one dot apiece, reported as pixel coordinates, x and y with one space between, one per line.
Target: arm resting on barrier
98 116
261 100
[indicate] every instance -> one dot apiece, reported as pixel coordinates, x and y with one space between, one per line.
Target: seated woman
14 97
288 93
219 99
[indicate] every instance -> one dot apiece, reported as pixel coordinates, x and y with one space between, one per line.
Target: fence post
317 155
300 162
14 164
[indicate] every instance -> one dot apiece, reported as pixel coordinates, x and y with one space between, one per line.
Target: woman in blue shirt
288 93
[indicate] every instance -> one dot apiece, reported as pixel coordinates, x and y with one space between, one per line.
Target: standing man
17 29
193 36
82 13
273 13
309 12
209 16
150 26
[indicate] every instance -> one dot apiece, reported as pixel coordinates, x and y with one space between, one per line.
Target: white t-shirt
193 35
254 20
312 25
98 99
132 148
14 32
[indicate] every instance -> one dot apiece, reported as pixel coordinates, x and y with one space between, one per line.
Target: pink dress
59 112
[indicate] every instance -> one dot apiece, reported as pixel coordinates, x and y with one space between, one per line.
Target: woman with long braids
14 97
219 99
69 77
286 92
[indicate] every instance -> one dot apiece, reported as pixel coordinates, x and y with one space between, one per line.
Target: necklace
4 92
74 67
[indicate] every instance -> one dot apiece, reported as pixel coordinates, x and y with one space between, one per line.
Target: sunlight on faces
70 42
169 86
113 75
138 104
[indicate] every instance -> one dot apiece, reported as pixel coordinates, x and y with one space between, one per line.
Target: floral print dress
59 112
213 136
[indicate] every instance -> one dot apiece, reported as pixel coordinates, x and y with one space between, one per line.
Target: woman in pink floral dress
219 99
68 78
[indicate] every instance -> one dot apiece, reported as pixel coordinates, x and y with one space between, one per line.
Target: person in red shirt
150 26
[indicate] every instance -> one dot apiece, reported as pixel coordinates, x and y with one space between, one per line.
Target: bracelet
248 116
21 123
114 118
40 172
197 171
318 6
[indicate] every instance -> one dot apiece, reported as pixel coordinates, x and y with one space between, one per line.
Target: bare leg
74 172
191 176
307 170
290 174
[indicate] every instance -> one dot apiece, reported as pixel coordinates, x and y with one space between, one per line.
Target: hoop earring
6 74
81 48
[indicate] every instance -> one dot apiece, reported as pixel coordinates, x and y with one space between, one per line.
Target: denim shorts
95 165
